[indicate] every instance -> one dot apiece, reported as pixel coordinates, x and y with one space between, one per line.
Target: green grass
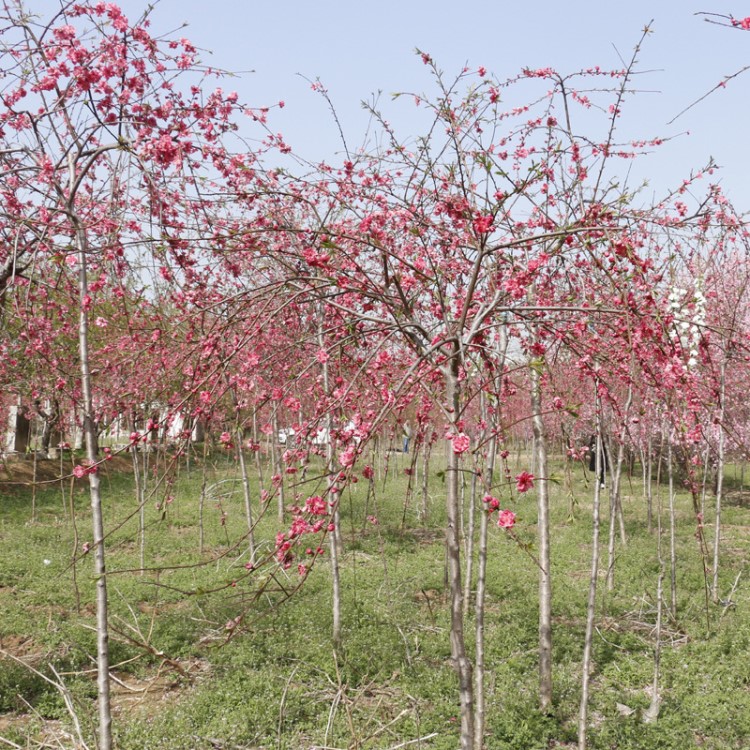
275 683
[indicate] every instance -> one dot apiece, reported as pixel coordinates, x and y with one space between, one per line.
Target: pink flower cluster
81 471
524 481
506 518
349 456
461 443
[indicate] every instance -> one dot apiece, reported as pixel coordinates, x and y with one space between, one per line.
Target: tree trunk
141 504
202 498
100 569
453 551
652 712
277 468
545 579
672 534
333 536
469 544
591 606
426 448
246 495
649 485
615 507
719 485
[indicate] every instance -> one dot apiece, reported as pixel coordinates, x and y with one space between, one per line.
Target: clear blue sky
358 48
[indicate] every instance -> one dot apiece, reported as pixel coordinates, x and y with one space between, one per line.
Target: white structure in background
287 435
17 432
178 426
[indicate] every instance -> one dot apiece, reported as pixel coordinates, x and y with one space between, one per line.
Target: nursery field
209 654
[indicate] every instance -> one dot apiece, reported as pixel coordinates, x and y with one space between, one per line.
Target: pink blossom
347 457
293 403
492 503
316 505
524 481
367 472
79 471
461 443
506 519
483 224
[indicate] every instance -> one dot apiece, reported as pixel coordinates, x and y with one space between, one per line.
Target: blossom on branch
524 481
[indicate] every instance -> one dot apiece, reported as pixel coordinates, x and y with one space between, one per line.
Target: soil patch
20 471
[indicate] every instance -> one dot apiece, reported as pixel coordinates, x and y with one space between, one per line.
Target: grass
183 682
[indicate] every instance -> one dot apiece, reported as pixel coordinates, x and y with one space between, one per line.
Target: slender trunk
672 535
202 498
469 544
615 509
704 484
256 450
277 468
453 550
246 495
461 503
333 537
591 606
652 712
742 481
719 485
649 484
140 500
479 604
545 579
425 479
33 490
100 569
617 479
492 418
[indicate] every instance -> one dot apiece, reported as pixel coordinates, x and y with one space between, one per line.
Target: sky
358 49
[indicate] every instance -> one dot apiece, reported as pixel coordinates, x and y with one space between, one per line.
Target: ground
183 679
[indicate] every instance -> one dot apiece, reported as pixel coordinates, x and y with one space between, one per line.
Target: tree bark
719 484
545 579
97 518
591 606
453 551
672 533
333 537
615 503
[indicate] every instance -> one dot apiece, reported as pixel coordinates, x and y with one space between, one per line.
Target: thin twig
413 742
282 705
